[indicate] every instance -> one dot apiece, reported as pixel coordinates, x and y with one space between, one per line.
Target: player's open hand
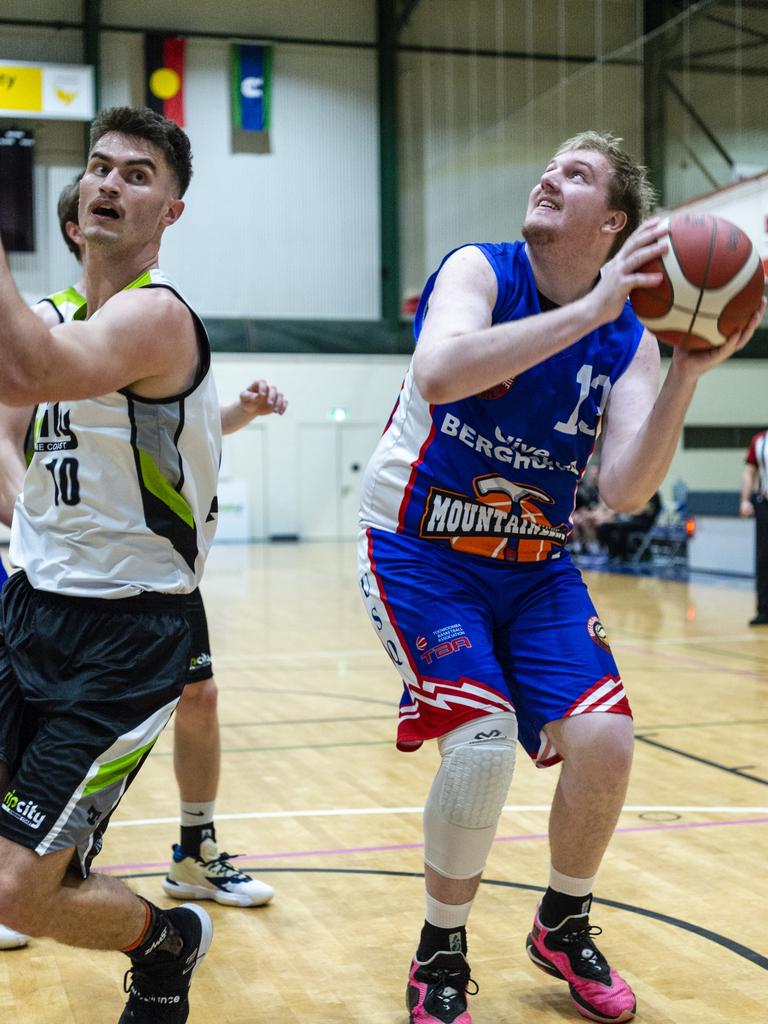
698 361
624 272
261 399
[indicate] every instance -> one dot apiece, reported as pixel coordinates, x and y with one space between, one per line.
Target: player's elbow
432 381
623 500
20 385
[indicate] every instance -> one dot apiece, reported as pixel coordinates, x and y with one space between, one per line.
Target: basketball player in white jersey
111 532
197 870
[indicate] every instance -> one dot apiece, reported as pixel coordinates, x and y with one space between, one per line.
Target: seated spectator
589 514
615 535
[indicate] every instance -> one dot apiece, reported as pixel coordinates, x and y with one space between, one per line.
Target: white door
331 463
318 481
358 441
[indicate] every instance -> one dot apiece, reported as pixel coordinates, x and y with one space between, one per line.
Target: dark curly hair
143 123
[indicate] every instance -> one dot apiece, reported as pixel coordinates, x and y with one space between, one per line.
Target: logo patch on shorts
596 630
421 642
23 810
442 650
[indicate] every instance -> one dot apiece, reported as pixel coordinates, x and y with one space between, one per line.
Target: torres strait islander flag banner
164 70
251 74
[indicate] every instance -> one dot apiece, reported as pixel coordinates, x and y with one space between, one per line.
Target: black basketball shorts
200 661
86 687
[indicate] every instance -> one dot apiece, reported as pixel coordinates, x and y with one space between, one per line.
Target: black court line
702 760
705 933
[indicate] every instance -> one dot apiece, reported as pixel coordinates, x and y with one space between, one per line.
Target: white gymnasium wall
290 233
302 470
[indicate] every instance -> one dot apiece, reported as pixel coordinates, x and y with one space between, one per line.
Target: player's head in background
69 218
139 167
606 180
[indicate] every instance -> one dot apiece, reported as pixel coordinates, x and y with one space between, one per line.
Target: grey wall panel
327 19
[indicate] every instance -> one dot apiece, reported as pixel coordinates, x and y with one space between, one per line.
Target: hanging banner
251 73
164 70
54 91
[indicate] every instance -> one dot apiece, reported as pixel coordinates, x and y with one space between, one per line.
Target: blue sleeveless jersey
495 474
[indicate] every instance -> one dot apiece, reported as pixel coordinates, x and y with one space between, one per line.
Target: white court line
346 812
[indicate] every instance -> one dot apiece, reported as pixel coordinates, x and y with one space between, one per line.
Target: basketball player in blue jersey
525 351
111 532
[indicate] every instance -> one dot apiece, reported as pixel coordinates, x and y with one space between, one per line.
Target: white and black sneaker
162 967
9 939
213 876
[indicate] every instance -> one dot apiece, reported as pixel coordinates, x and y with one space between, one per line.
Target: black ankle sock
555 906
192 836
440 940
161 937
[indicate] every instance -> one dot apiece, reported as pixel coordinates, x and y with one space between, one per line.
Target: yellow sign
21 88
59 91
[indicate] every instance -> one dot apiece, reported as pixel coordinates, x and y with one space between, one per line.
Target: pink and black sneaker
568 952
437 990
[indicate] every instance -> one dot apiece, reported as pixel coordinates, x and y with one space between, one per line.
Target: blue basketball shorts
471 636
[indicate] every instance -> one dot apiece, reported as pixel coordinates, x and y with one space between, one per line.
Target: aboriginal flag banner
164 71
251 78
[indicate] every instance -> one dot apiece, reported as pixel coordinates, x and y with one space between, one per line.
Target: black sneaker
437 990
161 976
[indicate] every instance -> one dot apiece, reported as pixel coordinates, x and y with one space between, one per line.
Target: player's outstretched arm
142 339
259 399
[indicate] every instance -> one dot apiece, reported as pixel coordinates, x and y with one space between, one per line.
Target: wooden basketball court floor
319 803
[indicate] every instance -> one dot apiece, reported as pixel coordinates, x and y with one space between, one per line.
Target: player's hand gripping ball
713 283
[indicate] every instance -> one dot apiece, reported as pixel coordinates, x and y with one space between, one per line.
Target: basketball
713 283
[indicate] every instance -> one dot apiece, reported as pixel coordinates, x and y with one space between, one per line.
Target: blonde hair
628 189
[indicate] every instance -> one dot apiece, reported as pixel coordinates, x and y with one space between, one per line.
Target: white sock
447 915
193 815
569 885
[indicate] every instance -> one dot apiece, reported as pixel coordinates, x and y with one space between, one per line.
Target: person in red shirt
754 502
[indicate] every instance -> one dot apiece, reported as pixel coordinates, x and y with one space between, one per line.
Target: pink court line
342 851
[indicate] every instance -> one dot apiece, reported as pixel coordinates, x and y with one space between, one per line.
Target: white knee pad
468 794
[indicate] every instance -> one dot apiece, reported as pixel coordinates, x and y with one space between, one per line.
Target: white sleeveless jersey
66 303
120 493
